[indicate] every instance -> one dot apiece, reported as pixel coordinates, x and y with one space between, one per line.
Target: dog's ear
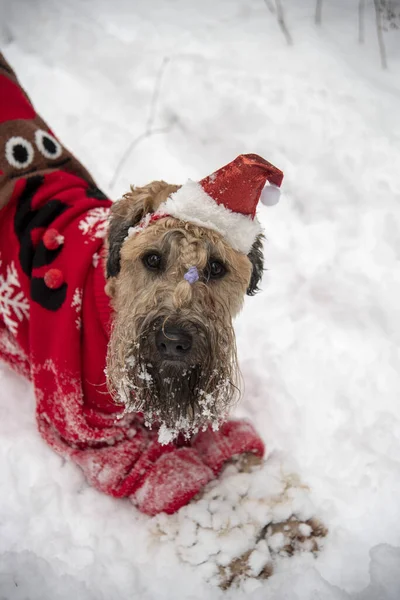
128 212
256 257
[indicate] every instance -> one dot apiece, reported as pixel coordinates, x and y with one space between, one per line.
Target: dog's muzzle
173 343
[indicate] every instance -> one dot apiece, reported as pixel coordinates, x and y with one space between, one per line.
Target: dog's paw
243 524
255 564
288 537
246 462
274 540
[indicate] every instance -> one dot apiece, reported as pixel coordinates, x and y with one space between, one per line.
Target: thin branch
156 93
281 21
149 131
318 12
361 20
269 5
131 147
379 32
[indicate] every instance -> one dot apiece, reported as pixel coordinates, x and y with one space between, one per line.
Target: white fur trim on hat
191 203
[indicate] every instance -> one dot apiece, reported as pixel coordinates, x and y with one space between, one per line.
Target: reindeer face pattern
27 145
30 148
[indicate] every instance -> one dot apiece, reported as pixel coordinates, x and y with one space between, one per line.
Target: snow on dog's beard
180 396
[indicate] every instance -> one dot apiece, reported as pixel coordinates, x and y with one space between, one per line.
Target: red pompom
54 279
52 239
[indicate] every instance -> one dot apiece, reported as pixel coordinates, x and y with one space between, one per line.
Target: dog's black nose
173 342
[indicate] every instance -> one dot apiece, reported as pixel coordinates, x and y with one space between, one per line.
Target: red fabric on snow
58 334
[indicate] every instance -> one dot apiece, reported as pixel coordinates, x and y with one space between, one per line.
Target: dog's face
172 352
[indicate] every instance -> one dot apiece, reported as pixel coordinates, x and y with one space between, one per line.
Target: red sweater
55 320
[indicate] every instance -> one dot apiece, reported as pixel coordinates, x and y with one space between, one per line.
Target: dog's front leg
245 522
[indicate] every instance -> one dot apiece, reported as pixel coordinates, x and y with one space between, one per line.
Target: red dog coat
55 321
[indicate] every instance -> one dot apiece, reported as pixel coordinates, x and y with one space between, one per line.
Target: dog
121 314
164 327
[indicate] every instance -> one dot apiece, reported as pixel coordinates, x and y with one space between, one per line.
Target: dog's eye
152 261
215 269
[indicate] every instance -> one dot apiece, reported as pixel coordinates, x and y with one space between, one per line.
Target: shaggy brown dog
172 354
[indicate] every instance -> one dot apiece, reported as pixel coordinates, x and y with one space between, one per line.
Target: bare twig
318 12
379 31
149 131
269 5
281 20
361 15
156 93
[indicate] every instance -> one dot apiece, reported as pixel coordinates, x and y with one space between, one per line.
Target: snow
318 348
165 435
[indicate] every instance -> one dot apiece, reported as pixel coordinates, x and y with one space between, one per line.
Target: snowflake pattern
77 304
95 223
14 306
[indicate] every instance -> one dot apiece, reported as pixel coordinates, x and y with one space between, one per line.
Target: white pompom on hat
270 195
226 201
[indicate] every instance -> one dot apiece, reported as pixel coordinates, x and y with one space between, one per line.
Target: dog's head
172 353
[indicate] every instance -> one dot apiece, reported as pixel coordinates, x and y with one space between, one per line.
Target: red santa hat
226 201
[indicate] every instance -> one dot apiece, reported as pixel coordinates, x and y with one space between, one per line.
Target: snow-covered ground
319 348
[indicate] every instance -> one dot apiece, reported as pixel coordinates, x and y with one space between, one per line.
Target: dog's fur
205 384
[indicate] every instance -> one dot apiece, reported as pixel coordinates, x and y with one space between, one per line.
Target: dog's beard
180 397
